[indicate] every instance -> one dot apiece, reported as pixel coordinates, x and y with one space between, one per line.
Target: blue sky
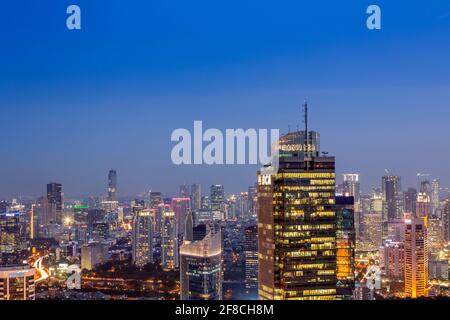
76 103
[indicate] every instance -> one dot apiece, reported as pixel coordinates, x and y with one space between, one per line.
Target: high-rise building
201 268
416 258
297 223
435 198
12 236
93 254
251 260
217 201
423 205
17 283
181 207
189 227
155 199
55 200
446 219
199 232
410 200
392 256
196 197
345 249
169 241
112 185
352 188
393 207
142 240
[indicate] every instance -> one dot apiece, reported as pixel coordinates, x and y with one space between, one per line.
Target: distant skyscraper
297 223
181 207
201 268
155 199
142 240
112 185
196 197
392 256
410 200
12 236
416 258
189 227
169 242
55 200
346 243
446 219
392 201
352 188
423 205
217 201
251 260
435 198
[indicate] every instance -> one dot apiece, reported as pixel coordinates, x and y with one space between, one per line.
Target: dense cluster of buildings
297 234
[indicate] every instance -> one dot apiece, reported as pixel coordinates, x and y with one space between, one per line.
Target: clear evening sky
77 103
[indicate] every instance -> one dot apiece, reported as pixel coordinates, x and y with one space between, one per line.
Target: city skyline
82 109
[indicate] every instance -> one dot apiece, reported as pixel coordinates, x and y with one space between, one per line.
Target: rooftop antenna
305 147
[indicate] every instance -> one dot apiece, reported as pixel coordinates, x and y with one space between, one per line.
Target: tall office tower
201 268
80 215
423 206
297 223
196 197
392 201
12 236
392 257
446 219
120 215
189 227
252 197
112 185
435 198
35 215
436 240
142 240
184 191
416 258
181 207
372 223
251 261
425 187
217 201
346 243
351 187
410 200
17 283
55 200
93 254
231 208
155 199
169 242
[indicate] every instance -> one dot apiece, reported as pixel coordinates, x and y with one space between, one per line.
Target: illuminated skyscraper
351 187
196 197
169 241
181 207
142 239
12 236
201 268
346 242
251 260
297 223
392 201
55 200
112 185
435 198
423 205
416 258
217 201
